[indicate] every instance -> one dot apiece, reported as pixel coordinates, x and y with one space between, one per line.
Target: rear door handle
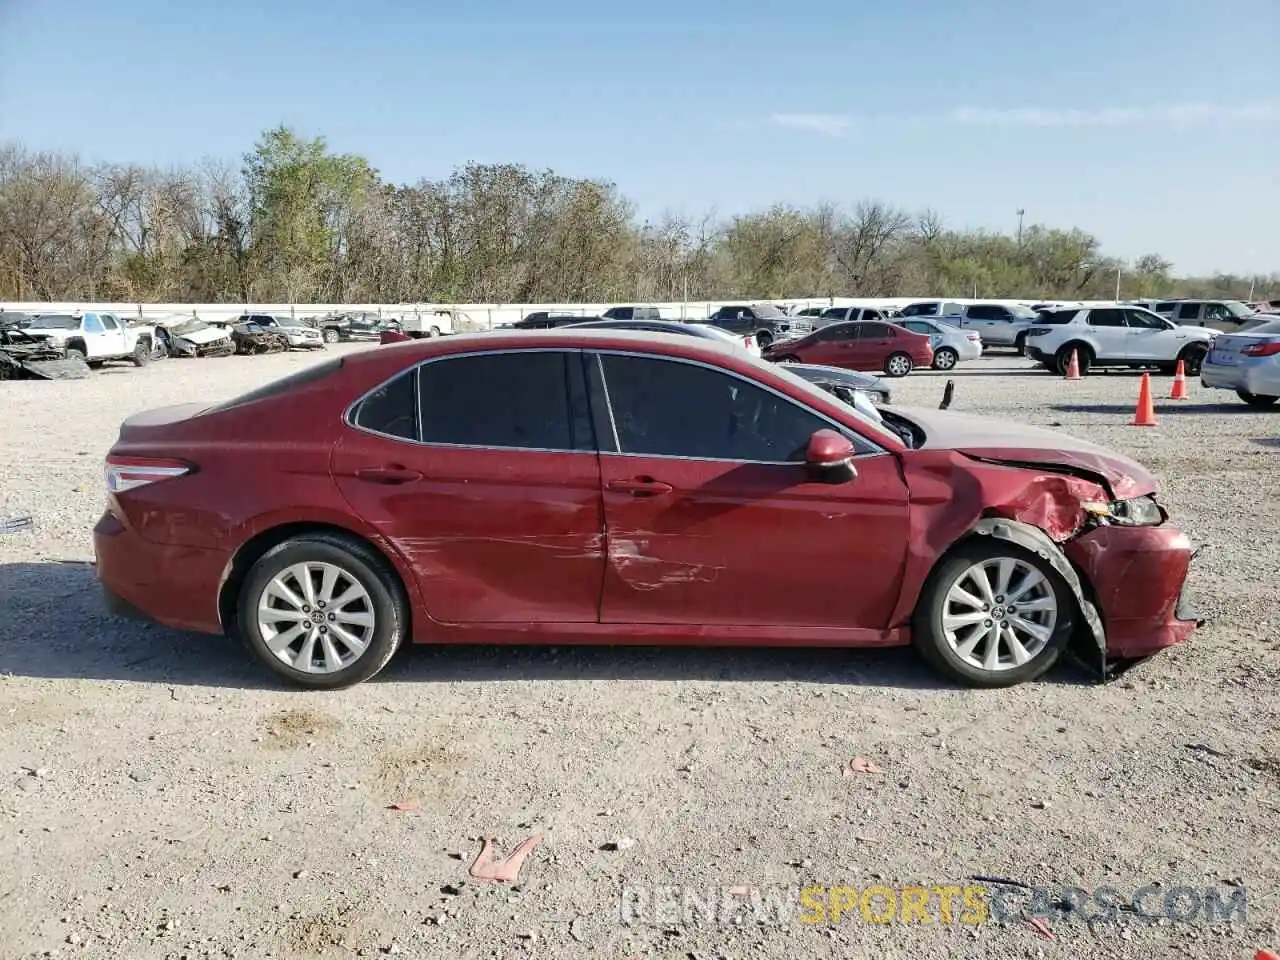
390 475
640 487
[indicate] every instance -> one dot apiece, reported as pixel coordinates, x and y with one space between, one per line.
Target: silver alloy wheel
999 614
945 359
316 617
899 366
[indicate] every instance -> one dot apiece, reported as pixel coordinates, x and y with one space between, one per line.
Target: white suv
1118 336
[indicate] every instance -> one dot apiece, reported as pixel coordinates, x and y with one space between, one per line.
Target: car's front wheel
322 611
331 335
1020 344
1261 401
1192 358
763 339
945 359
993 615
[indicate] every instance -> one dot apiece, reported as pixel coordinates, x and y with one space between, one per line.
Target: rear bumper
172 585
1038 355
1222 376
1139 579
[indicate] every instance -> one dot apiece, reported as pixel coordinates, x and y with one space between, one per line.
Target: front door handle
640 487
392 474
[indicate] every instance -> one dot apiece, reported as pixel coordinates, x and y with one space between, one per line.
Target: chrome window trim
351 408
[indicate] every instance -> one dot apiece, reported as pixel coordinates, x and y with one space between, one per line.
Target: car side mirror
829 457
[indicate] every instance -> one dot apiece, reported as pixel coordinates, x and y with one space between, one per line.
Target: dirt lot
160 796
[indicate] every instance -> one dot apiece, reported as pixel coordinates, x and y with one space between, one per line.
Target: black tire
141 355
1192 357
95 364
1062 359
435 332
358 561
763 339
331 335
787 358
945 359
76 351
930 639
1020 344
1256 400
898 365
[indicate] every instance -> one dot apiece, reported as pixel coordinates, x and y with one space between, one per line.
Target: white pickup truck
95 337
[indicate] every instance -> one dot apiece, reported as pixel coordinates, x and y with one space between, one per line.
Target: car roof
581 338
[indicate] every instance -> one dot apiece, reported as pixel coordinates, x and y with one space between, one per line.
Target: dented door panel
752 544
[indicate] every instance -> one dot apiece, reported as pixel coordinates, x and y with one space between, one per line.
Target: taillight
129 473
748 341
1262 349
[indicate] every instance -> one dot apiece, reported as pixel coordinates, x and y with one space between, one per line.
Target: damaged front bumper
1138 577
1129 584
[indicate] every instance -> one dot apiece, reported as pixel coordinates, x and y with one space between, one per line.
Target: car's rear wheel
763 339
898 365
322 611
993 615
945 358
1062 359
1261 401
141 355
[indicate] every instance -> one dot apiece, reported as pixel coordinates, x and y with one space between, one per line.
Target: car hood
991 439
1199 331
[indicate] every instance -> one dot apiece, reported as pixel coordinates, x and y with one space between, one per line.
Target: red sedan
608 487
859 345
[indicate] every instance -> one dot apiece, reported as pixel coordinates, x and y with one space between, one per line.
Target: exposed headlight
1138 512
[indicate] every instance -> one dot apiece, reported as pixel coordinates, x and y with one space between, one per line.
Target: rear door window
523 399
875 331
1188 311
1106 318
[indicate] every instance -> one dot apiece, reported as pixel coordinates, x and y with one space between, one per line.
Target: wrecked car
254 337
193 337
590 486
32 356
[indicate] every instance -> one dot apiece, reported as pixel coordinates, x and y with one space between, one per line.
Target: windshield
1023 313
768 310
56 322
877 429
1238 309
1267 328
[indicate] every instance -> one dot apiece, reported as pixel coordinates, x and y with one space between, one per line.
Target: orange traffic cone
1179 391
1146 413
1073 368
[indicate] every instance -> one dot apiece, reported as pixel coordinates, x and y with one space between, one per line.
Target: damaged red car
614 487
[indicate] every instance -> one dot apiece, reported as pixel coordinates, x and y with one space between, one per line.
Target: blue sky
1155 124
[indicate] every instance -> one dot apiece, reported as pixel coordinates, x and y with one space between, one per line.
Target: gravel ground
160 796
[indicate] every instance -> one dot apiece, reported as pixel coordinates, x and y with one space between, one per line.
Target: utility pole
1020 213
1118 284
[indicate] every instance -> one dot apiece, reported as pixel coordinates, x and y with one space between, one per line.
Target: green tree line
296 222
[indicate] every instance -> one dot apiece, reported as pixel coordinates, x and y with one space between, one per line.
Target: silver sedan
950 344
1247 362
